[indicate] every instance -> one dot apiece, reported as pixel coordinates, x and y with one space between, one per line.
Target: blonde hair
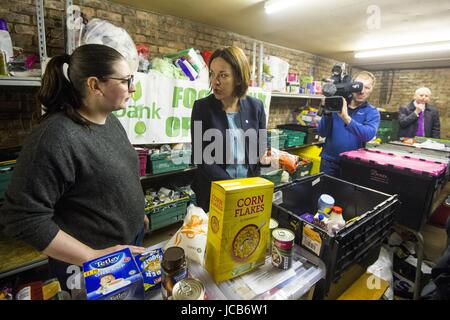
367 74
423 89
237 59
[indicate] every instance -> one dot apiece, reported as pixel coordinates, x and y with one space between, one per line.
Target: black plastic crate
312 135
416 190
413 152
352 244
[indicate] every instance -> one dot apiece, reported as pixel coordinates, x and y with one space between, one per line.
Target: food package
149 263
238 228
281 159
192 234
114 276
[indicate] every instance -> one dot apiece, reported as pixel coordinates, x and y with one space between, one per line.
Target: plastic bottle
336 221
5 40
324 205
320 220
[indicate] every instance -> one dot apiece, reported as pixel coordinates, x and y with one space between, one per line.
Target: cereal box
113 277
149 264
238 227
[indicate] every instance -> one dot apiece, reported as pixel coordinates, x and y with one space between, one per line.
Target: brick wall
167 34
398 86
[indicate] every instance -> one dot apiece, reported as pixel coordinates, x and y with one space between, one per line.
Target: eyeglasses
130 80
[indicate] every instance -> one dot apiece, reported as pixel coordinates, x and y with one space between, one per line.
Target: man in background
349 129
418 118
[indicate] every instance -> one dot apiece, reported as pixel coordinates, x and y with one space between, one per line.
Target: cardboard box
238 226
149 264
113 277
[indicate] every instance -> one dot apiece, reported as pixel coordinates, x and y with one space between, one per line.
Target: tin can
3 63
282 246
173 270
272 226
188 289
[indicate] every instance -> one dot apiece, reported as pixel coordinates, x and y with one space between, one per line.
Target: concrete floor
435 238
435 242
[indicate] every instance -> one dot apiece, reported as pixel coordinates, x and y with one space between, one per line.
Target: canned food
272 226
283 242
188 289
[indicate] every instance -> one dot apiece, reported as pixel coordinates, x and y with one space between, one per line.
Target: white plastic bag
192 235
382 268
98 31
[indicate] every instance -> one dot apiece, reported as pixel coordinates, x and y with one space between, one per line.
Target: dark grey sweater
84 181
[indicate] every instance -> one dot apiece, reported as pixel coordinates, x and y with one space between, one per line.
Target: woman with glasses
228 128
75 193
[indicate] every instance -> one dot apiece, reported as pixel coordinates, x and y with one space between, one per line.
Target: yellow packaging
238 227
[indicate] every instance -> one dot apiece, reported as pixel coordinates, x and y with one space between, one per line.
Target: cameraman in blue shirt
349 129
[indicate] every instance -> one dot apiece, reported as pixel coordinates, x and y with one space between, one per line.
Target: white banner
160 109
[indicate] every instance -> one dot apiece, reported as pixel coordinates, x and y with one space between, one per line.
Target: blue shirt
341 137
237 168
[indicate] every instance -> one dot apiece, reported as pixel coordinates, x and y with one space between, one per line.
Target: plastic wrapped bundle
102 32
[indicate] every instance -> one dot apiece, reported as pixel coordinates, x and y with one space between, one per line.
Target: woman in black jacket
228 128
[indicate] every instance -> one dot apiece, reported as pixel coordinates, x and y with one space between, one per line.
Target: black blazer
209 112
408 121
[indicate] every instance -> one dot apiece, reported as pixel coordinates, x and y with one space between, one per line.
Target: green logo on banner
139 127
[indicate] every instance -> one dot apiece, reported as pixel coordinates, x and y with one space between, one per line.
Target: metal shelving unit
20 81
296 95
32 81
167 174
303 146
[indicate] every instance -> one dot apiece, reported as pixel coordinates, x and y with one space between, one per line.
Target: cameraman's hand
344 113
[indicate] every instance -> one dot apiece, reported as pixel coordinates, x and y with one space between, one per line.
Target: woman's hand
99 253
146 223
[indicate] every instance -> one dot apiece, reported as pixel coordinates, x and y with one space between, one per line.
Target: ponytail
62 92
57 93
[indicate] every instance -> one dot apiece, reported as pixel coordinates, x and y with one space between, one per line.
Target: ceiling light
403 50
272 6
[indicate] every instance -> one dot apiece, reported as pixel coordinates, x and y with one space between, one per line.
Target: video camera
339 85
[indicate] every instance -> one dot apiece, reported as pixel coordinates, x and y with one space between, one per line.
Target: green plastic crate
302 171
276 139
388 130
170 161
294 138
192 197
167 213
6 170
274 176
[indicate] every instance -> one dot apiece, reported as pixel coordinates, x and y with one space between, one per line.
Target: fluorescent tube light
272 6
403 50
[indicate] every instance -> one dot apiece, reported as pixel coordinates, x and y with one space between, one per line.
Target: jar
173 270
3 64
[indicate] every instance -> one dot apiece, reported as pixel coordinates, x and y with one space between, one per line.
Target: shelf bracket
41 30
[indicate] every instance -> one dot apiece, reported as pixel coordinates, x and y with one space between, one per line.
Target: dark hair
239 63
58 94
